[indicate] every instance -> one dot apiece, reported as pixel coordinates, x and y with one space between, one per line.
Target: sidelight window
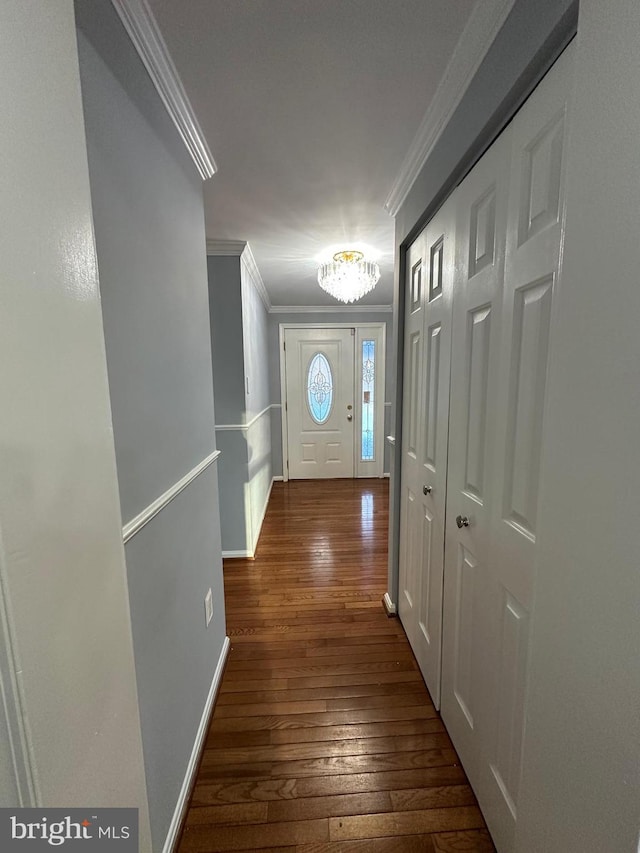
368 402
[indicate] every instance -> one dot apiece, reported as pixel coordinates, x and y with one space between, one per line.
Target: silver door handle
462 521
349 417
426 490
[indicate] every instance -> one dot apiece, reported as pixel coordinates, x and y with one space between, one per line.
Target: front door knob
426 490
462 521
349 417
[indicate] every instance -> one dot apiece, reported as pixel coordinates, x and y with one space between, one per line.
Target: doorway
332 385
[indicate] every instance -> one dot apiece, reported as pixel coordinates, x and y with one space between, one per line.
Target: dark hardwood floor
324 738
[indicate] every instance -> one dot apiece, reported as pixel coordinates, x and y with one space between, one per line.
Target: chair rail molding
136 524
143 30
481 29
249 424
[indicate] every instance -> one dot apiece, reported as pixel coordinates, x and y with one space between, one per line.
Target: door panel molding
423 476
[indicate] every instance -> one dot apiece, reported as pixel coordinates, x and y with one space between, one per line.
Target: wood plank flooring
324 738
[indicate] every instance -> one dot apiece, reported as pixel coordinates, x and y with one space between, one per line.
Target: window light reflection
366 515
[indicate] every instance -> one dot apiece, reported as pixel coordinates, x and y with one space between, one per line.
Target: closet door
501 344
480 228
430 266
534 235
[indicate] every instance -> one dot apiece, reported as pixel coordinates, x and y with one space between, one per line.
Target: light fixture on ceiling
348 276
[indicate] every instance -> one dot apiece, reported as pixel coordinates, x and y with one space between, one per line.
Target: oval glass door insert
319 388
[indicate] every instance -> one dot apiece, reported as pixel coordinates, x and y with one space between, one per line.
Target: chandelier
348 276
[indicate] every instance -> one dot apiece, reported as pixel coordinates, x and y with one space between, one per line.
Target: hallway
324 738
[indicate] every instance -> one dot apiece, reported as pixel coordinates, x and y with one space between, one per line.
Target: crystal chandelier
348 276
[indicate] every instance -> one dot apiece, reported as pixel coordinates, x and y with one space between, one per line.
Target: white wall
62 557
581 775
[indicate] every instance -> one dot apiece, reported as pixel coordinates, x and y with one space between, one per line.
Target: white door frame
18 781
376 468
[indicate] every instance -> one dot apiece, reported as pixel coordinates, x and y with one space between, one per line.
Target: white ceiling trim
226 247
141 26
241 249
330 309
253 272
482 27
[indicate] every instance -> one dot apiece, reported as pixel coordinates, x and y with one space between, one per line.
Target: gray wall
255 332
318 318
148 214
241 391
233 479
172 562
225 308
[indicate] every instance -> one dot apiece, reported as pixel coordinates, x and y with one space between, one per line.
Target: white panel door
534 236
430 266
480 239
320 394
500 342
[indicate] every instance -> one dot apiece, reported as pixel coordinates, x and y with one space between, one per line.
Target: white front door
429 280
320 402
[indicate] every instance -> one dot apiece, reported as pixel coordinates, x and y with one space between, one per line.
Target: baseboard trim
388 605
179 814
258 528
249 555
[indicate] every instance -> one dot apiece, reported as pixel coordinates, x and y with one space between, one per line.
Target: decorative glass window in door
319 388
368 402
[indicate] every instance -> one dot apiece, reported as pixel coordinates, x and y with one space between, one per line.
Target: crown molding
477 37
330 309
143 30
251 267
226 247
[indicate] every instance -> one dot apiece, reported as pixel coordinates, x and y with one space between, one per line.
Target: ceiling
309 108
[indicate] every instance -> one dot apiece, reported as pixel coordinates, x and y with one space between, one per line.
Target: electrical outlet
208 606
